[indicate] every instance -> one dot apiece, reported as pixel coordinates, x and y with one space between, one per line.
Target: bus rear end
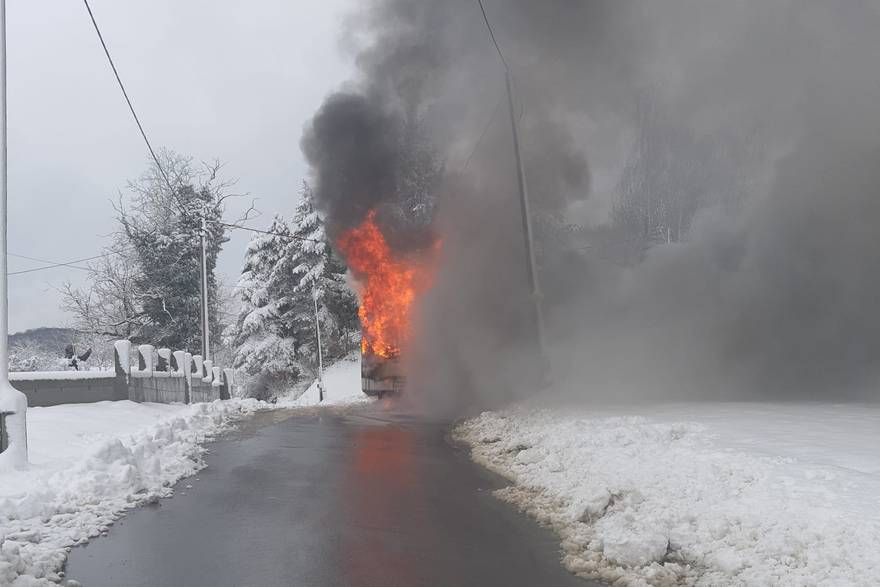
381 375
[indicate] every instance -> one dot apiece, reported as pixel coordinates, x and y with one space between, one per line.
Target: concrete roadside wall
159 376
69 387
166 376
155 379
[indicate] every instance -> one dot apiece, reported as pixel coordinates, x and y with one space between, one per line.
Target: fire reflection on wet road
382 485
356 499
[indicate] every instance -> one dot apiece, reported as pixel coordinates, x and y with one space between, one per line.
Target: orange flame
389 287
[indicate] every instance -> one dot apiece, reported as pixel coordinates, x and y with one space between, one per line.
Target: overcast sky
219 78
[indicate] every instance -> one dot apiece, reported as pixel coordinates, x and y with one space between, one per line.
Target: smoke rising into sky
771 293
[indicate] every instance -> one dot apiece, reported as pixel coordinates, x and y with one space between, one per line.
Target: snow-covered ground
91 462
703 494
342 386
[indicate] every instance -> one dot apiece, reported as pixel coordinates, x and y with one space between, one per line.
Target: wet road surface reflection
348 498
381 484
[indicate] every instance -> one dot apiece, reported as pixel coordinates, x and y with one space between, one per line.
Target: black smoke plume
723 247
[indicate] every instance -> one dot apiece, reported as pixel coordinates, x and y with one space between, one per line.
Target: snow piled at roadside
90 463
697 494
342 386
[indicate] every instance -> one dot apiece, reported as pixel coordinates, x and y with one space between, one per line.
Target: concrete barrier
201 384
162 376
152 381
69 387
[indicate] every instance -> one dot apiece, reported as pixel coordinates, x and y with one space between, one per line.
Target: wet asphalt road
348 499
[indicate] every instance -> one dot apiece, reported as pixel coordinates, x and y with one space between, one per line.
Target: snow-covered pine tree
284 274
261 338
319 275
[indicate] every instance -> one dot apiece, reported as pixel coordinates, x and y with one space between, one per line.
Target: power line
483 134
491 34
46 261
498 48
134 114
65 263
161 169
73 264
278 234
127 99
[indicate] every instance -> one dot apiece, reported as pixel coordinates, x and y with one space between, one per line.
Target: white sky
226 79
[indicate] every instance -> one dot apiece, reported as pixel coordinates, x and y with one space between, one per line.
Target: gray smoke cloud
769 294
352 145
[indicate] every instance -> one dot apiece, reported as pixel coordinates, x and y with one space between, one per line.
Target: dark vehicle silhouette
381 375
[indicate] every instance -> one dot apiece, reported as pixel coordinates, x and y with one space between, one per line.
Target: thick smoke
769 114
352 143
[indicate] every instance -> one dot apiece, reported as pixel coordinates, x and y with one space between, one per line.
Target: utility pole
13 403
320 352
534 282
206 335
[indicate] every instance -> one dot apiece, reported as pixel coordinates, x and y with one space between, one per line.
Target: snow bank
90 463
697 494
342 386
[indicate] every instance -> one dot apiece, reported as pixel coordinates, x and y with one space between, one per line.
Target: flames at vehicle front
389 285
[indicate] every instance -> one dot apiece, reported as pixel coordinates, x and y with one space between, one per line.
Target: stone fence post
228 382
169 376
145 362
208 372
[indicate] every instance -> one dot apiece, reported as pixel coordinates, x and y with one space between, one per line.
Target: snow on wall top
60 375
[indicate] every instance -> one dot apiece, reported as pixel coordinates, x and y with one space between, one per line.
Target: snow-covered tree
263 342
147 288
319 276
102 356
163 228
228 306
31 357
285 274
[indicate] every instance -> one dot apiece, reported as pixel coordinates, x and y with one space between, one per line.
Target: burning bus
381 375
388 287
